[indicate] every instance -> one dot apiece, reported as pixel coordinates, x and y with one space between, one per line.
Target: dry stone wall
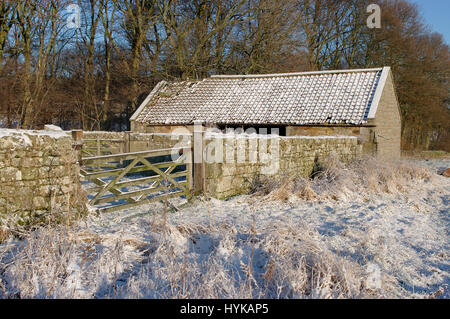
39 176
277 158
103 135
388 123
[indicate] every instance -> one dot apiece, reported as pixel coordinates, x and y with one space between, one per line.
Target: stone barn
361 103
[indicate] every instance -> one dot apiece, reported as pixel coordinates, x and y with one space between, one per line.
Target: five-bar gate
121 181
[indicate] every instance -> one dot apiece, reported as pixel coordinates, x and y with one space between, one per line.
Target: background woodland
94 77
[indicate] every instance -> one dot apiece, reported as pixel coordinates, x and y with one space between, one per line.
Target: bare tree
107 15
7 20
138 17
193 26
38 24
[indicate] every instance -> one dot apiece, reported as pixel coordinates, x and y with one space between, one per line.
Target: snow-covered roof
326 97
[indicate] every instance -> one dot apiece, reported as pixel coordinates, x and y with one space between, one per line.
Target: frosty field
374 231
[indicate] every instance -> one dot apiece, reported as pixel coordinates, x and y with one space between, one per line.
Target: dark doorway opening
252 129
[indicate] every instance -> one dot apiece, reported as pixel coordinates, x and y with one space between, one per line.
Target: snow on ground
393 245
436 165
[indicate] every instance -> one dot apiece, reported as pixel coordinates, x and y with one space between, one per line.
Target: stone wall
147 141
294 156
388 122
365 134
39 177
102 135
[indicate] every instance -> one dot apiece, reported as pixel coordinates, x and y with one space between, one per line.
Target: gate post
199 165
189 168
77 137
127 142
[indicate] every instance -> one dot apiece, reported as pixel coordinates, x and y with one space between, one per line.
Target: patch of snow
21 138
24 133
51 127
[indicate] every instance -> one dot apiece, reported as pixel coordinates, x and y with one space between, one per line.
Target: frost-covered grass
178 261
370 230
362 179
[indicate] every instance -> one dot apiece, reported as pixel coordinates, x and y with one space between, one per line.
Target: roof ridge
254 76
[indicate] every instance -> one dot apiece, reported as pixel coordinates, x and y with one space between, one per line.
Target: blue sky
436 14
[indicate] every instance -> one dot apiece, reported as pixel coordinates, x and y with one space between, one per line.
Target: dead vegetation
189 261
337 181
4 234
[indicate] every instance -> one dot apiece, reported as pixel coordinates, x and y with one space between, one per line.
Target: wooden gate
132 179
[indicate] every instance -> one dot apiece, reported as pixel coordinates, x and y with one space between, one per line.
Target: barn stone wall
39 177
322 130
142 128
365 134
388 122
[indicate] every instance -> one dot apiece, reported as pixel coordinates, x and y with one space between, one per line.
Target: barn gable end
388 122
